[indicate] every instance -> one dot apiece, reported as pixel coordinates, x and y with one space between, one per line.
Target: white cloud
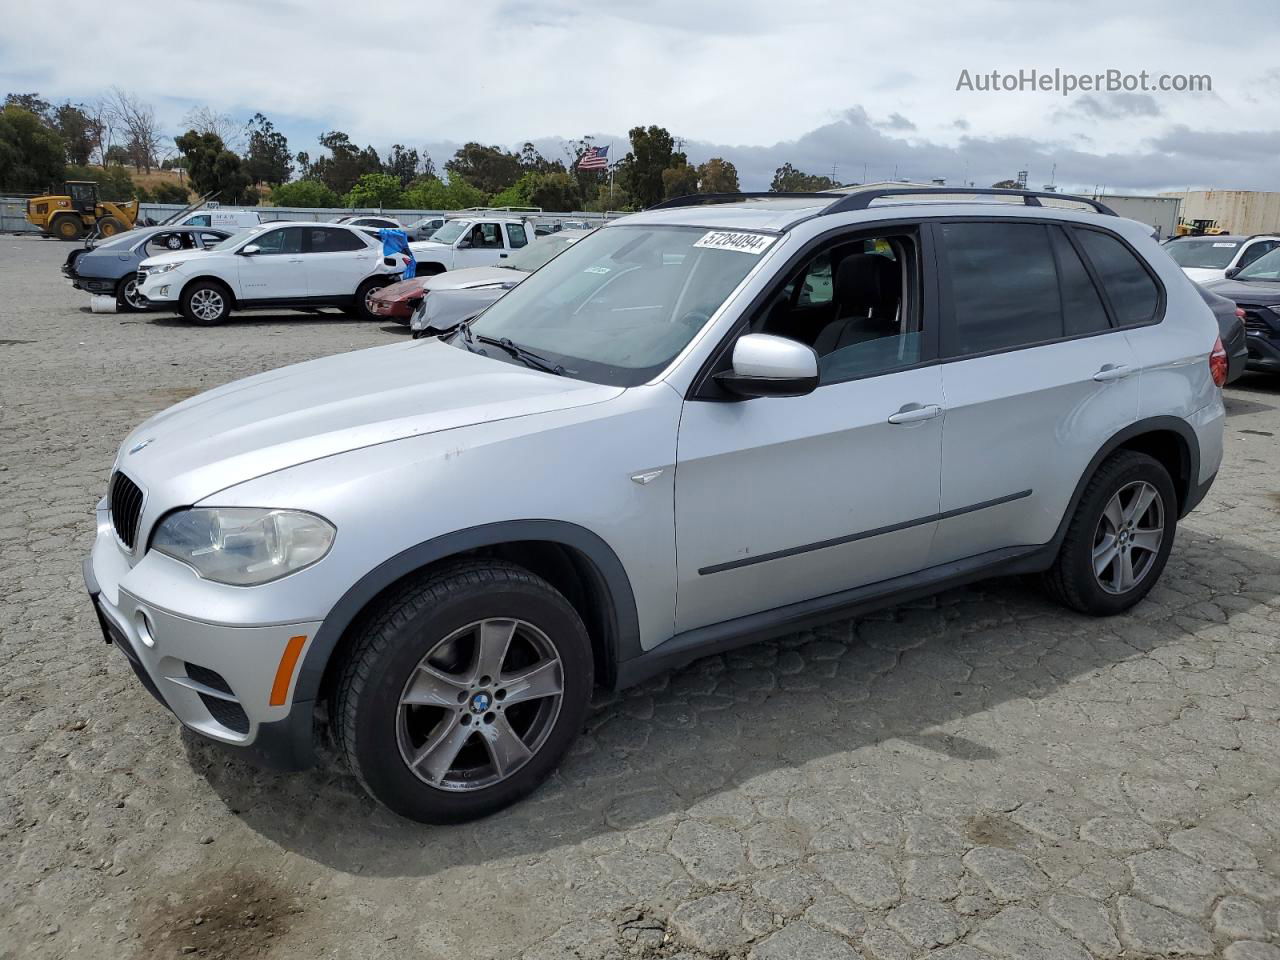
745 72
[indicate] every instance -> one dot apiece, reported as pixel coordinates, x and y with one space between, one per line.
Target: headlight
244 546
163 267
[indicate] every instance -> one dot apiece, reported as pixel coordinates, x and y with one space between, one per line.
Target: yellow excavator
1199 228
69 216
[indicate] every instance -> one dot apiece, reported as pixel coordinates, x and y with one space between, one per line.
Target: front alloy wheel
480 704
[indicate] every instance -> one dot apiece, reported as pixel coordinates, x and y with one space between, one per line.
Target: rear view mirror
464 244
769 366
249 249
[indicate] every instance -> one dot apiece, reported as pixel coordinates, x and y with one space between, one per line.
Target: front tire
463 693
128 298
1119 538
206 303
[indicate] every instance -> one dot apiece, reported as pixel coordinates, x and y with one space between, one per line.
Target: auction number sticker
1233 245
752 243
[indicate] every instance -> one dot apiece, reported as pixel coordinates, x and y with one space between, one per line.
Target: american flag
596 158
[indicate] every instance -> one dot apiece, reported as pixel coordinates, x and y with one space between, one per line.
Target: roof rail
698 199
861 199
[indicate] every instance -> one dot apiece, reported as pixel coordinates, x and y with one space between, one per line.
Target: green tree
267 158
80 133
488 169
431 193
718 175
403 164
375 190
114 183
31 154
32 103
519 194
787 179
640 171
555 190
345 164
215 169
680 180
117 155
304 193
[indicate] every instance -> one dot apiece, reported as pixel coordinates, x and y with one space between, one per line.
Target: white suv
272 266
699 426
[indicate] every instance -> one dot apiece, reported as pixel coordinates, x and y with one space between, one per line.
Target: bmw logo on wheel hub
480 703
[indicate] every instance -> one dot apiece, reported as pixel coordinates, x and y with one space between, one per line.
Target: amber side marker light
284 672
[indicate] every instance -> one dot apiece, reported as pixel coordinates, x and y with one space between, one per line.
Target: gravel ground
978 774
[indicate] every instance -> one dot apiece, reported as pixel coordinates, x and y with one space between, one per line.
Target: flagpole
610 205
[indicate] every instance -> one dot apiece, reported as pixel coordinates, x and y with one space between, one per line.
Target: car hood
402 289
428 246
1203 274
1265 292
177 255
308 411
475 277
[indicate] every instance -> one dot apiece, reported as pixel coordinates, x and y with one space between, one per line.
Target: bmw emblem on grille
141 444
480 703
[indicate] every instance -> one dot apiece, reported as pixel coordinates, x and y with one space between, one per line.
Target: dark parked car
1256 291
1231 328
110 268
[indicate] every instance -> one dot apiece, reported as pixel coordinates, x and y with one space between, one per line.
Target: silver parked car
699 426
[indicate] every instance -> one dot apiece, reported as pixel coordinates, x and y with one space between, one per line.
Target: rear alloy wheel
206 303
1119 539
129 298
67 227
464 692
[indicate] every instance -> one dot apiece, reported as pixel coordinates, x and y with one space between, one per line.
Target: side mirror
249 249
769 366
1232 271
464 244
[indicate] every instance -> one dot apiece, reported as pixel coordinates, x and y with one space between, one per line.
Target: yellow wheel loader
71 215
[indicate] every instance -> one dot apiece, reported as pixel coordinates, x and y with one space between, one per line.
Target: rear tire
67 227
128 299
362 309
1119 538
463 692
206 303
109 227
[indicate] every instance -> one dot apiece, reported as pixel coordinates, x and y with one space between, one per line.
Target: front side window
1133 293
856 303
486 236
201 220
1264 268
619 305
1004 286
286 240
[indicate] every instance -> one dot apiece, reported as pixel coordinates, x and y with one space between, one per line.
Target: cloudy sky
867 90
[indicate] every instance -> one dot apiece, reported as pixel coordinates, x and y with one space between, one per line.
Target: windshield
539 252
238 238
1207 254
617 306
451 231
1266 267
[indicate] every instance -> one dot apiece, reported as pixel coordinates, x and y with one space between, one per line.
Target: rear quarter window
1127 283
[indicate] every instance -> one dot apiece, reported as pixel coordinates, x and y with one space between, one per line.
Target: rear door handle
1113 371
914 413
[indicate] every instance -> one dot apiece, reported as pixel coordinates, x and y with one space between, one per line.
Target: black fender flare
1119 439
625 627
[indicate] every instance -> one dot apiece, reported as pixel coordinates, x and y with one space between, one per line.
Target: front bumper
1264 353
162 287
400 310
216 678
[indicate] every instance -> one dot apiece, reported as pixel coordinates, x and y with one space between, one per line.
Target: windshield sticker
596 270
1225 245
752 243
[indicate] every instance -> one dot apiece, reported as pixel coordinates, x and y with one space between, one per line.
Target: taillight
1240 313
1218 363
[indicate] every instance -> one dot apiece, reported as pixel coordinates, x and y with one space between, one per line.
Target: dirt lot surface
976 775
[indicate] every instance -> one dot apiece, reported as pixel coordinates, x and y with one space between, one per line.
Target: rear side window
328 240
1004 286
1082 309
1133 293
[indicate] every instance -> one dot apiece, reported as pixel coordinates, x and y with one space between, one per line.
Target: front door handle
1114 371
914 413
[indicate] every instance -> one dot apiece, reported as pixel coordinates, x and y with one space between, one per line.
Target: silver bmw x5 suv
705 424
